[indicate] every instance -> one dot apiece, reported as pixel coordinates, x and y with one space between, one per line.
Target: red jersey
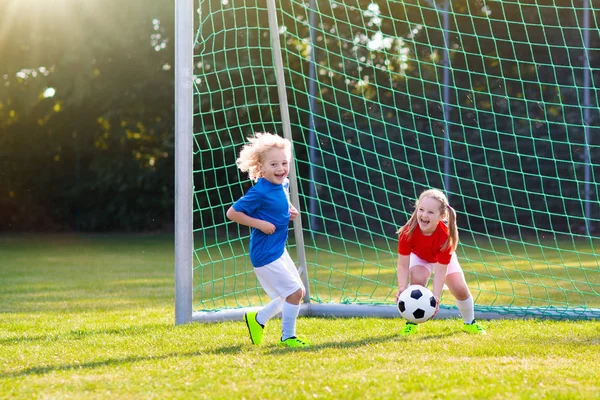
429 248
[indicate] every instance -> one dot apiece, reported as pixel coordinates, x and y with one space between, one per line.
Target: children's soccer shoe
254 328
294 342
474 328
409 329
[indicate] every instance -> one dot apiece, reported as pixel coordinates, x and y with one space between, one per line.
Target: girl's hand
400 290
437 307
293 213
266 227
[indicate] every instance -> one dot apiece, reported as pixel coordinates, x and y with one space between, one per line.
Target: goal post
184 30
488 101
287 133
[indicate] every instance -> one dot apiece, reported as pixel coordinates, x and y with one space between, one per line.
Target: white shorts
453 266
279 278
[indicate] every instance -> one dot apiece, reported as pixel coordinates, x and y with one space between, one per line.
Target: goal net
493 102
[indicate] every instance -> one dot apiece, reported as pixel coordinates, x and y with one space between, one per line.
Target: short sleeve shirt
269 202
428 248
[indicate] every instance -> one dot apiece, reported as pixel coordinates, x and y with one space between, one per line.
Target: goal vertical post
587 104
184 27
287 133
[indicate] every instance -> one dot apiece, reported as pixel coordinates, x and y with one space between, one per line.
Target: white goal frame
184 36
184 77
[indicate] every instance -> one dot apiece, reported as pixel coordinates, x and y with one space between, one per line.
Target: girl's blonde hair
445 211
252 153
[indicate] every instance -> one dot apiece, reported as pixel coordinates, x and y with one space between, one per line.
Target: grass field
92 317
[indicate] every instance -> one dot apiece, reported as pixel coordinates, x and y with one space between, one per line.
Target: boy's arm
293 212
243 219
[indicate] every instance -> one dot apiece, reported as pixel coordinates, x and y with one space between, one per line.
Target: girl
426 244
267 210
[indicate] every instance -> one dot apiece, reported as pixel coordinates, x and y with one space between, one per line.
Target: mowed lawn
92 317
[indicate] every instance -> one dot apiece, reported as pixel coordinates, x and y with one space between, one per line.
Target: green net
494 102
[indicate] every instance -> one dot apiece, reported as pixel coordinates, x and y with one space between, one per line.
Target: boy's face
275 165
428 215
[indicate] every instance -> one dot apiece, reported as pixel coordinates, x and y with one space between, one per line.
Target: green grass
91 317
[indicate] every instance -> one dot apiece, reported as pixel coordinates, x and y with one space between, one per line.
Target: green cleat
254 328
409 329
294 342
474 328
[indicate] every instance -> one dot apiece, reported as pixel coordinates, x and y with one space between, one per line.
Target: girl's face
428 215
275 165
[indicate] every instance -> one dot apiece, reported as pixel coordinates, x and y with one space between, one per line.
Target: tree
98 153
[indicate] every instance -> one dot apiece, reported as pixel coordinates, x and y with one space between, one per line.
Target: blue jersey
268 202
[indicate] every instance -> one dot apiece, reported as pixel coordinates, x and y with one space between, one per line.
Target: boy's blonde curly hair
251 154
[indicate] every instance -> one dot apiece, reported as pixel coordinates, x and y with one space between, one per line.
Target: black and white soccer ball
416 304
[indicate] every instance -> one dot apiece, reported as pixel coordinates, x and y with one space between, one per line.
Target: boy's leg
269 311
256 321
255 330
281 279
289 315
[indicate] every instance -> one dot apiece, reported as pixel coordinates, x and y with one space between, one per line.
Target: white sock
269 311
467 309
289 314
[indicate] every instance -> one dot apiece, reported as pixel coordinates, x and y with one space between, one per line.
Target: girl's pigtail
410 226
452 230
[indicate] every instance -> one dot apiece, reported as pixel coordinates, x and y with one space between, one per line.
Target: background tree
93 152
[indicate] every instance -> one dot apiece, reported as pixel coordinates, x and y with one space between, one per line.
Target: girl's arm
438 280
402 272
266 227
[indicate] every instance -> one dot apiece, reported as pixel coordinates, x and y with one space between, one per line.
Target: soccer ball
416 304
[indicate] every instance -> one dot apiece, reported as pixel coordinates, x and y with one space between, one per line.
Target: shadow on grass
362 342
226 350
117 361
97 364
229 350
77 334
423 338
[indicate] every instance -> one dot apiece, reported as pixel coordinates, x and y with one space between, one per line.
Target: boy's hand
293 213
266 227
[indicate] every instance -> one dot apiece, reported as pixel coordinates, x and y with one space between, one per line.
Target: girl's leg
464 301
419 275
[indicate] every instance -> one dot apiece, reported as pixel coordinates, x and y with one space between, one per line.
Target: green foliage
98 155
92 317
514 102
